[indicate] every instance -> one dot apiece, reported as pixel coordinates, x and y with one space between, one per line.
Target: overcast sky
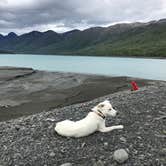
22 16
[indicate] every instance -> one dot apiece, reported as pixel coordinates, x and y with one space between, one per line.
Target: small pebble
99 163
83 145
52 154
105 143
123 139
141 157
17 128
66 164
102 139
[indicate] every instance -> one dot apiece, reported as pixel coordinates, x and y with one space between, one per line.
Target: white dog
94 121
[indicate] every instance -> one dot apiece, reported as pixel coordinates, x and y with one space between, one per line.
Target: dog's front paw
121 126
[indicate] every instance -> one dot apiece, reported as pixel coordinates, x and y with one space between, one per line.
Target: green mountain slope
135 39
140 41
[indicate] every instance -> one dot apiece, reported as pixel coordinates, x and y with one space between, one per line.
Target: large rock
120 155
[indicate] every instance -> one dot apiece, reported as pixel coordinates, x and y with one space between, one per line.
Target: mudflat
24 91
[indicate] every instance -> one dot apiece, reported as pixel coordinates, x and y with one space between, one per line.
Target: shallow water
113 66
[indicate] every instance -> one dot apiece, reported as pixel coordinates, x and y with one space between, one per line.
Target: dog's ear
94 109
106 101
100 105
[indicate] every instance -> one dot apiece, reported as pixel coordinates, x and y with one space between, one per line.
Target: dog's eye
113 108
101 105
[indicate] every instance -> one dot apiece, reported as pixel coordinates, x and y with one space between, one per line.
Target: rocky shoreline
32 141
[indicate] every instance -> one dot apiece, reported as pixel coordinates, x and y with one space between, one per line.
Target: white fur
91 123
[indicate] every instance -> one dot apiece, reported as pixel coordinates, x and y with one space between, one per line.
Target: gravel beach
31 140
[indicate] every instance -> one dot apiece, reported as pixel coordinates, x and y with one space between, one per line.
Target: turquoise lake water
112 66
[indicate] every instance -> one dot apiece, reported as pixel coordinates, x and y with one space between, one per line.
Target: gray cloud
61 15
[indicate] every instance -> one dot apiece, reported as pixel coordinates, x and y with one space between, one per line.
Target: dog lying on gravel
94 121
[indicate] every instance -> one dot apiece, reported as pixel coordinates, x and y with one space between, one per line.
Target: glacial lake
112 66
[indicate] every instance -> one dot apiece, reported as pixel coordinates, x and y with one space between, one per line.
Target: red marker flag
134 86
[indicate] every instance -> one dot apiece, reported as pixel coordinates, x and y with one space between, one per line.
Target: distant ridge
125 39
6 52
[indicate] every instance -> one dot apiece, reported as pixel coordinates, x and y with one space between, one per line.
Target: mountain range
126 39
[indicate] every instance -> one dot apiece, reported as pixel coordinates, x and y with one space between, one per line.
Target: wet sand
25 91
